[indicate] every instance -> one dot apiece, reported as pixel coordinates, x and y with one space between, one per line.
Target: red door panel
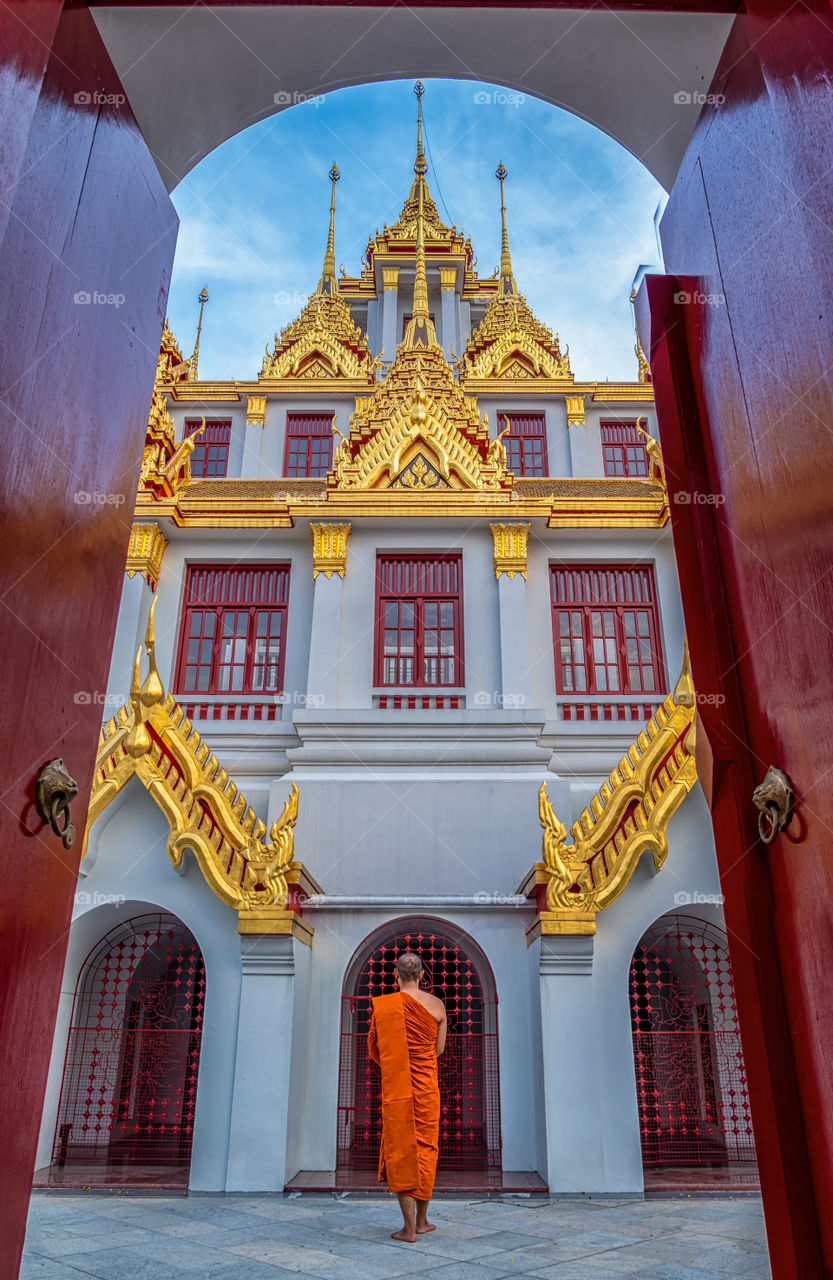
88 216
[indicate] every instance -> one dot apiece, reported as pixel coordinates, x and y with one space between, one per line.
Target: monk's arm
441 1033
372 1040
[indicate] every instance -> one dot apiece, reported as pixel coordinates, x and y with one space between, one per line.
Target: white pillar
577 436
390 302
448 314
136 599
572 1070
322 677
516 684
261 1097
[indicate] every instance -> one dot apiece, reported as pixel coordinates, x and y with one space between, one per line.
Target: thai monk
407 1035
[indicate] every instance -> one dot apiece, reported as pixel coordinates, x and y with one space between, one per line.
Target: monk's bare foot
422 1227
402 1234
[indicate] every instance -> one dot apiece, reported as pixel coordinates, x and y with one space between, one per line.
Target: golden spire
327 283
192 372
420 331
508 287
420 167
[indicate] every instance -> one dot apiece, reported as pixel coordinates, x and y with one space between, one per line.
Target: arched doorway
695 1122
128 1094
458 972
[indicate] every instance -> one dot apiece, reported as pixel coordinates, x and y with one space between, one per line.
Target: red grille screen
468 1069
690 1075
130 1076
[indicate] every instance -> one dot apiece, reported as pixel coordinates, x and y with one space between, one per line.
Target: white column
572 1070
261 1097
390 302
136 599
322 677
448 314
577 436
516 684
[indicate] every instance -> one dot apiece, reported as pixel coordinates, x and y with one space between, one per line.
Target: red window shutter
526 444
232 636
606 630
419 621
309 444
623 450
209 461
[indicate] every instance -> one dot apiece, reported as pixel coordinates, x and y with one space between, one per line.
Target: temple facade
400 662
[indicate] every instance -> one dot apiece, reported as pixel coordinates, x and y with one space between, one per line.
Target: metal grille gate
690 1076
468 1069
130 1077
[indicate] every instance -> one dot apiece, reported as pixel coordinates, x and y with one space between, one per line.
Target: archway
695 1122
128 1094
457 971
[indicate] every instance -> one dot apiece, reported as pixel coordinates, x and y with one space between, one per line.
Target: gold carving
628 816
256 411
656 467
510 544
390 277
329 549
151 739
575 410
419 474
448 279
145 551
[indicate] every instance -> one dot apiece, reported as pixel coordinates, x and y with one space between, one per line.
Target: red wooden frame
233 603
312 430
426 581
209 461
623 447
613 591
526 431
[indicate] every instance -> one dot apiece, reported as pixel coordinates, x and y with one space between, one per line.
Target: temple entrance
128 1095
457 972
694 1117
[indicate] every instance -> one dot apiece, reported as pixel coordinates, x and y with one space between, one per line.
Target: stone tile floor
347 1237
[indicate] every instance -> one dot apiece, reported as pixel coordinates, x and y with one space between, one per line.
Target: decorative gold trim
275 920
145 551
573 923
390 277
510 546
329 549
575 410
448 279
256 411
628 816
151 739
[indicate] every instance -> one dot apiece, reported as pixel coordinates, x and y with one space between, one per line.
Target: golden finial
507 279
420 331
192 372
420 167
152 690
137 741
641 358
328 275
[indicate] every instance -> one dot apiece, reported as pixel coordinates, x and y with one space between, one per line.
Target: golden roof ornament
324 341
644 374
202 299
420 331
508 287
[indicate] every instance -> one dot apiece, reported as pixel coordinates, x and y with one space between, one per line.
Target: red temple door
86 243
742 358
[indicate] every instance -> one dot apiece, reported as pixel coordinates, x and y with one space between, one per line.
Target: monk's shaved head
408 966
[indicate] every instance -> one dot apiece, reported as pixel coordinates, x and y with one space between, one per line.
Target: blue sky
254 214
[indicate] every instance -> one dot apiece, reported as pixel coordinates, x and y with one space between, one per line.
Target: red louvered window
526 444
623 450
233 632
606 630
419 611
309 444
209 461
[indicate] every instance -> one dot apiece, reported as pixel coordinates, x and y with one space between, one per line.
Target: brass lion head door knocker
54 792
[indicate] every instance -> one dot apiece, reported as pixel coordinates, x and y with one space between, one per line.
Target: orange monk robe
403 1040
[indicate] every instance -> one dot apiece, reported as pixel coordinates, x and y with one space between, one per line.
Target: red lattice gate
130 1077
468 1069
690 1076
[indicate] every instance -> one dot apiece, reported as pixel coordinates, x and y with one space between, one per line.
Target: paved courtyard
347 1237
